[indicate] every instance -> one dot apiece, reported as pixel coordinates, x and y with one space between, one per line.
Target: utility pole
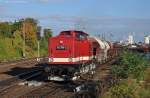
38 41
24 40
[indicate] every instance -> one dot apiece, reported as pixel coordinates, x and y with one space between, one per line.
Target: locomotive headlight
61 41
50 59
70 60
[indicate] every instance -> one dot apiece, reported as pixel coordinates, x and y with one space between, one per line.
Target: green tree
18 42
29 27
47 33
44 41
6 29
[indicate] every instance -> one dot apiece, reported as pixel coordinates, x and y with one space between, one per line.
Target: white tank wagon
101 50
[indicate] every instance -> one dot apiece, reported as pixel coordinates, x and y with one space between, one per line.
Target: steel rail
15 80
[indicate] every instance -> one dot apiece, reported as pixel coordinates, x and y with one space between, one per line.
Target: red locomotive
73 53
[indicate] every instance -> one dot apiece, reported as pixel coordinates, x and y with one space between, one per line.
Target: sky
114 19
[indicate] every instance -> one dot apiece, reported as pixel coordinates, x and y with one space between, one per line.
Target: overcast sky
115 18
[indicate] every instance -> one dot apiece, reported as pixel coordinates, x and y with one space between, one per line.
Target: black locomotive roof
75 31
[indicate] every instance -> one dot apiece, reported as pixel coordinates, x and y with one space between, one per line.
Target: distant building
130 40
147 39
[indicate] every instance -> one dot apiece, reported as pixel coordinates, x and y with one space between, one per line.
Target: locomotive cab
68 47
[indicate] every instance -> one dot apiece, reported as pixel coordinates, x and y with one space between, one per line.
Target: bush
128 88
130 70
130 64
119 71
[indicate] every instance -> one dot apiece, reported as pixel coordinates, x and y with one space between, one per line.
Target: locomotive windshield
67 33
81 36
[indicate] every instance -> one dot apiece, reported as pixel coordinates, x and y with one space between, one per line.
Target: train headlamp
61 41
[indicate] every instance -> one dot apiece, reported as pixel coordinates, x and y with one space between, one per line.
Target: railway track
22 61
13 82
52 90
94 86
12 68
49 90
17 61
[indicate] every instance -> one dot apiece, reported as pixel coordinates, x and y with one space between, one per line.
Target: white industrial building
130 40
147 39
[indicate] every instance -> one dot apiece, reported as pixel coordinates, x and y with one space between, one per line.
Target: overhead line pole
24 43
38 42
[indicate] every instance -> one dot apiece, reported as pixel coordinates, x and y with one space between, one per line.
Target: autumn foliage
13 35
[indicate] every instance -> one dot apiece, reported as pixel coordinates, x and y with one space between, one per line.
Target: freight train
73 53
